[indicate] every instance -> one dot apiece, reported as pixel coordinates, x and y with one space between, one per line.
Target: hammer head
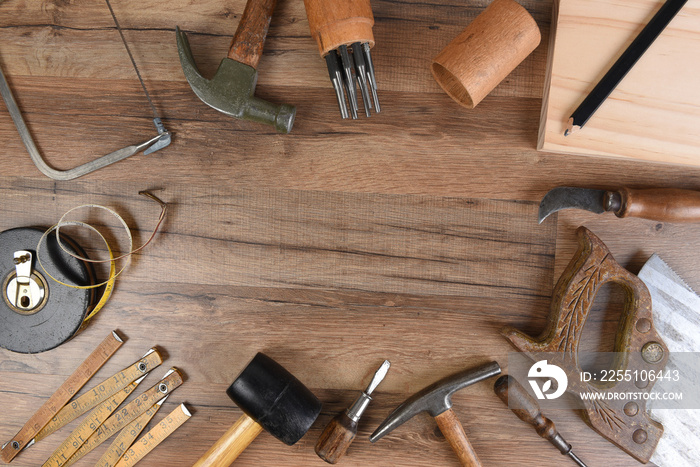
434 399
275 399
231 90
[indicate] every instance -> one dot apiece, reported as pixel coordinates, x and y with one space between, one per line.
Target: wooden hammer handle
661 204
248 42
231 444
454 433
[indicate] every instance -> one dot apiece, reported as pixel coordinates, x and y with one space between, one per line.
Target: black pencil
623 64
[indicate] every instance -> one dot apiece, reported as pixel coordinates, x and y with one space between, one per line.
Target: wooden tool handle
339 22
661 204
231 444
248 42
524 406
454 433
336 438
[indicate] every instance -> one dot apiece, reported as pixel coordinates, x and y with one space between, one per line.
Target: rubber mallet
272 399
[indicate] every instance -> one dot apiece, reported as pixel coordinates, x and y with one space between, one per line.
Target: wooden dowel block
339 22
486 51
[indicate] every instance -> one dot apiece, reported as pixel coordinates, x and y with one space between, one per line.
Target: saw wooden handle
454 433
248 42
339 22
231 444
660 204
336 438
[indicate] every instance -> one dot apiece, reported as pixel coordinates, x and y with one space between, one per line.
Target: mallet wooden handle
231 444
248 42
659 204
454 433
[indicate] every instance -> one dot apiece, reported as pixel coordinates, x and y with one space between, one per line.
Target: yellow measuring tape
155 436
126 437
101 392
113 273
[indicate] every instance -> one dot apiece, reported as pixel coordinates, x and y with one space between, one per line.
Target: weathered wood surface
411 235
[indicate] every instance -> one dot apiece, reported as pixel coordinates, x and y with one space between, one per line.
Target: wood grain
652 112
410 236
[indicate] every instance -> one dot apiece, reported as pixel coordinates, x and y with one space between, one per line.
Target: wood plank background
411 235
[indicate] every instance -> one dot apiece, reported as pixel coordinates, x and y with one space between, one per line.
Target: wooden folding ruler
64 452
155 436
101 392
127 414
63 394
126 437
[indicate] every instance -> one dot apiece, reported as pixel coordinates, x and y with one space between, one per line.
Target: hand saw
676 310
160 141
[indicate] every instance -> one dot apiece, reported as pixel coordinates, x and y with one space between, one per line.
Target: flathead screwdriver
527 409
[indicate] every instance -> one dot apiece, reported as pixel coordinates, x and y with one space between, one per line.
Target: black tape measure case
36 312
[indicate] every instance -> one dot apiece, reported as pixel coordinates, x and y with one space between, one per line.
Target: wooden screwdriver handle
339 22
524 406
231 444
336 438
248 42
454 433
660 204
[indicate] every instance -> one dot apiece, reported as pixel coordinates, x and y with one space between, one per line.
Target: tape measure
76 439
155 436
126 438
37 314
101 392
63 394
130 412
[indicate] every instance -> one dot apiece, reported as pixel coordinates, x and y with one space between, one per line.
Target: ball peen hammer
231 89
436 399
271 398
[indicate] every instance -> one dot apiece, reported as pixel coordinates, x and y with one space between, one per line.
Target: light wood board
654 113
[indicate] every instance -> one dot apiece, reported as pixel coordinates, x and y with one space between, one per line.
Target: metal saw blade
676 311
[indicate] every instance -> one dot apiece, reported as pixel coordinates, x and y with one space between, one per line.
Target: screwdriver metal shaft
527 409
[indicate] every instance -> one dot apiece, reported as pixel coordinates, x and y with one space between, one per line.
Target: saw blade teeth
676 276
